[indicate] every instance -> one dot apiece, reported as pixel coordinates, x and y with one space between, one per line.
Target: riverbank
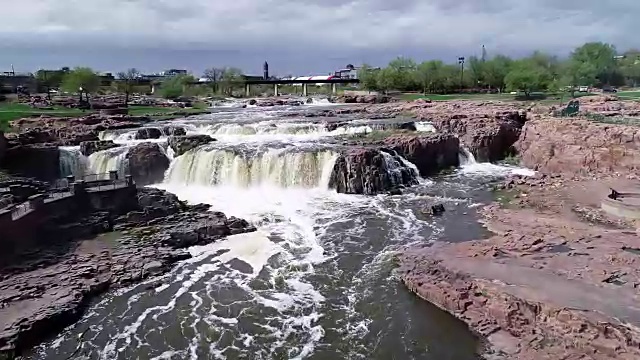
559 277
49 284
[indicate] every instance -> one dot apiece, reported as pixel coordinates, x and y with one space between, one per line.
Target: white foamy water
314 280
72 162
469 166
101 162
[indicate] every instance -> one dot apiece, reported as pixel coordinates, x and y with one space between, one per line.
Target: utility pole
461 62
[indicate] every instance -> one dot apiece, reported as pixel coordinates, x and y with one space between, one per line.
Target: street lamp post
461 62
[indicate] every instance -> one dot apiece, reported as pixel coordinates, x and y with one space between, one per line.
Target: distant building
349 72
174 72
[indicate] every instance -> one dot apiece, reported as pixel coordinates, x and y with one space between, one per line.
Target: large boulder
363 99
371 171
40 161
147 163
430 153
148 133
182 144
89 147
171 130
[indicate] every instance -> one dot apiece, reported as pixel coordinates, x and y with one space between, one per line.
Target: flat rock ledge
523 313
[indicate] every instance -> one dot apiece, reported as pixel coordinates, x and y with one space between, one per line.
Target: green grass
629 95
13 111
438 97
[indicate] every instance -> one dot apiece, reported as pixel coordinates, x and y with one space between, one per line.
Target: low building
11 83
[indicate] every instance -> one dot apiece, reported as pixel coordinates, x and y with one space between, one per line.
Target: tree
230 78
476 71
431 76
528 76
81 78
127 79
496 70
593 64
368 77
214 75
50 79
174 87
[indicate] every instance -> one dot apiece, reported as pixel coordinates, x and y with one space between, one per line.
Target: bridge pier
305 90
334 89
276 89
247 90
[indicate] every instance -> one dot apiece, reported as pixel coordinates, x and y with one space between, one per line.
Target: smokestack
266 71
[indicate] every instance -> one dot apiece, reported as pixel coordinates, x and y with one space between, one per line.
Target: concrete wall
41 225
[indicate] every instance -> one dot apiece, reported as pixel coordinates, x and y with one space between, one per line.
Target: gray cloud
318 27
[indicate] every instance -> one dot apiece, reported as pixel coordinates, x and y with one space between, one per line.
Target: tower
484 54
266 70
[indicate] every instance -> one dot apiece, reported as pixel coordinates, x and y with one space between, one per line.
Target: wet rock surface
370 171
51 287
40 161
89 147
182 144
429 153
147 163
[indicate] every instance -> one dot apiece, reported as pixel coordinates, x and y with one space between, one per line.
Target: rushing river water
314 282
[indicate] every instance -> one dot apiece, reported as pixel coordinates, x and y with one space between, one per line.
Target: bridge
304 82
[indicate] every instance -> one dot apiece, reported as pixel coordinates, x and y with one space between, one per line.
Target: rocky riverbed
301 270
558 278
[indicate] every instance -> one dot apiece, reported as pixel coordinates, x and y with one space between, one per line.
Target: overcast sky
298 37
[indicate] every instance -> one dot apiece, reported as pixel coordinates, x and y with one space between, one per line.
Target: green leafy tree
126 82
528 76
231 78
429 75
496 70
50 79
175 86
476 71
368 77
81 78
593 64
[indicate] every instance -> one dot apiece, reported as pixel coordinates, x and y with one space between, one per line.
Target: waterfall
282 168
72 162
102 162
466 157
399 169
425 126
265 128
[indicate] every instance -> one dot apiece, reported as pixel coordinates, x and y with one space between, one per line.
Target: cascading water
72 162
277 167
102 162
466 157
315 280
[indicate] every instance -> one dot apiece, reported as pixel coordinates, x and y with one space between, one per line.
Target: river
315 281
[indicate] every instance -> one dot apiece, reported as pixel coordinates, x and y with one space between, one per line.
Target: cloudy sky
298 37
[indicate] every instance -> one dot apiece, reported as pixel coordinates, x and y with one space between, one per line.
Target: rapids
315 281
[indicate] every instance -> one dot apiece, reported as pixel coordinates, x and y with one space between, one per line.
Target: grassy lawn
551 98
14 111
629 95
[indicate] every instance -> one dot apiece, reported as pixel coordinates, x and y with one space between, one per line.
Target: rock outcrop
171 130
370 171
579 147
429 153
40 161
148 133
489 138
363 99
89 147
182 144
147 163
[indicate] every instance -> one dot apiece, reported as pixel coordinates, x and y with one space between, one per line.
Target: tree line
221 80
593 64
